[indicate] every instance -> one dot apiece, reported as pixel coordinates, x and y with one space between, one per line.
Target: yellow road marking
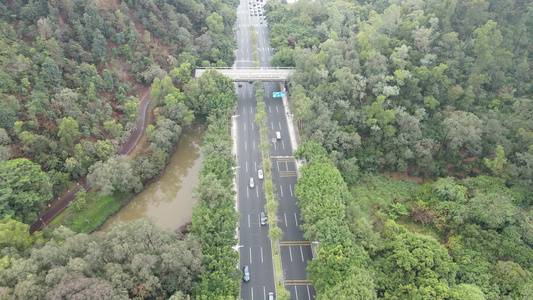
295 243
297 282
287 173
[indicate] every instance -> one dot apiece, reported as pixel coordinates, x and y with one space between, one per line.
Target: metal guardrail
251 74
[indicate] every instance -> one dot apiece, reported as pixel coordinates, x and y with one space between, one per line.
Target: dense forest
72 74
438 92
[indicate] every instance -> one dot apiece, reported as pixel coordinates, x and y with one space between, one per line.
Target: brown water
169 201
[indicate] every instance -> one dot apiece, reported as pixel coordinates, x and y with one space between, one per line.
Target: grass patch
377 192
423 230
93 213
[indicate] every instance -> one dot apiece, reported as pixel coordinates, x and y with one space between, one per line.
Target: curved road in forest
136 135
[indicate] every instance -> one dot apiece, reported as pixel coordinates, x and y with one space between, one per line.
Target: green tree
14 234
115 174
68 131
463 130
51 73
24 189
359 285
466 292
99 46
215 23
108 80
412 266
113 128
104 149
498 163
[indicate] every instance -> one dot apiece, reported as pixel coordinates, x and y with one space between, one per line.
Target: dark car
246 276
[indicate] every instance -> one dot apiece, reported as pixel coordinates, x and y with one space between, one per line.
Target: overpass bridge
251 74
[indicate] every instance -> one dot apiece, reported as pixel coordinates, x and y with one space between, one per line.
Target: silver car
263 219
246 274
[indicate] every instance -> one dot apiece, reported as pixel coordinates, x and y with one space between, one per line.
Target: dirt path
60 205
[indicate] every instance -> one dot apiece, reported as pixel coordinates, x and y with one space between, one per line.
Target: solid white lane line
284 214
290 252
290 188
302 253
296 292
287 166
308 293
281 190
295 219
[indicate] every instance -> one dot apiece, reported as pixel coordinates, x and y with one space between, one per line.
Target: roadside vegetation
438 92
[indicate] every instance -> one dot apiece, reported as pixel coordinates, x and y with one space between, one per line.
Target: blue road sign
278 94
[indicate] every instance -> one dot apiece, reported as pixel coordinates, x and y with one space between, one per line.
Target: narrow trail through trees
53 211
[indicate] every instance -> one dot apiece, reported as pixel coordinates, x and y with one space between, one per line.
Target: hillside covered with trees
72 74
436 91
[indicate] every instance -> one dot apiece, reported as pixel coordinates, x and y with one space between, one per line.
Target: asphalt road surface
59 206
255 248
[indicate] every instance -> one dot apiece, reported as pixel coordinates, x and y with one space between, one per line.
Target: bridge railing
252 73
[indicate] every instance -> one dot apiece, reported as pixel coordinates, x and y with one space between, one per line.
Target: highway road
255 250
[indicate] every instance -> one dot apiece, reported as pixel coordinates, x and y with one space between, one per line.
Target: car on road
240 84
252 182
271 296
260 174
263 219
246 274
278 135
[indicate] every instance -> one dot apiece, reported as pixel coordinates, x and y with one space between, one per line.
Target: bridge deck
251 74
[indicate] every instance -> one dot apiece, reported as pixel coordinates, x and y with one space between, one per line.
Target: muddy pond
169 201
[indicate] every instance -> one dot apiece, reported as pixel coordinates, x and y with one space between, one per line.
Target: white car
260 174
278 135
252 182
